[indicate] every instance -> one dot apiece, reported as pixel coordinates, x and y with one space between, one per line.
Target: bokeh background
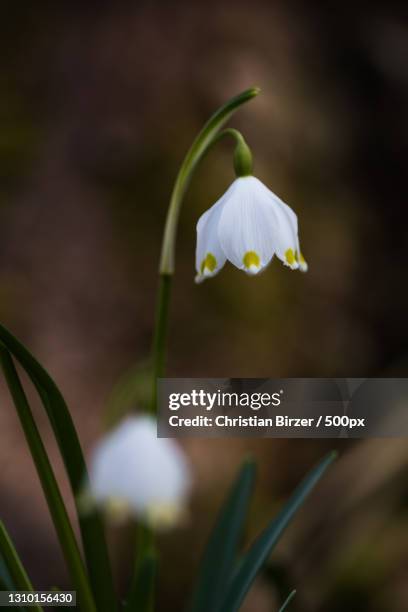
98 103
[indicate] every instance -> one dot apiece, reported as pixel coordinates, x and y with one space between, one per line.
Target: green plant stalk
146 549
91 527
288 600
194 155
49 484
14 565
207 137
160 334
141 592
243 163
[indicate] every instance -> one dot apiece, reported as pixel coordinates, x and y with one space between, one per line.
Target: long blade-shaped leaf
14 564
92 532
49 484
263 545
5 578
141 593
287 601
4 586
222 547
6 582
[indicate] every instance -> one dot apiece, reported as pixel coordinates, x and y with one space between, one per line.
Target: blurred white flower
247 226
132 472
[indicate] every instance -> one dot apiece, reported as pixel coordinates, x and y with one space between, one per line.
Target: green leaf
5 586
14 564
222 547
287 601
5 579
260 550
49 484
91 527
141 593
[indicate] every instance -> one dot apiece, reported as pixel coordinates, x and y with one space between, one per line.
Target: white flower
132 472
248 225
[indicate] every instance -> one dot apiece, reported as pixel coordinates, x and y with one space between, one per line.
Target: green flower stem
49 484
243 166
207 137
242 153
194 155
141 592
14 565
160 334
288 600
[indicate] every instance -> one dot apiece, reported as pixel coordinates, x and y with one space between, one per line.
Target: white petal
303 266
286 227
210 257
132 466
247 226
288 236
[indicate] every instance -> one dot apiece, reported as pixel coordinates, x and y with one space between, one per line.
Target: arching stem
208 136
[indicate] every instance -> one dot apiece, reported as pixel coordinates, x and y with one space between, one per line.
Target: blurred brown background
98 103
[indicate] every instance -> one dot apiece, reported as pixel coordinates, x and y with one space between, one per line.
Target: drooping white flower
132 472
248 225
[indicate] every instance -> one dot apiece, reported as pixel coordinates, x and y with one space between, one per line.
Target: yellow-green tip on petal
118 510
252 262
302 262
290 259
208 265
165 515
207 268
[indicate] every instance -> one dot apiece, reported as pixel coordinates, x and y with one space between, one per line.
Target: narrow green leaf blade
142 590
4 586
49 484
6 583
287 601
14 565
5 578
91 527
222 547
263 545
